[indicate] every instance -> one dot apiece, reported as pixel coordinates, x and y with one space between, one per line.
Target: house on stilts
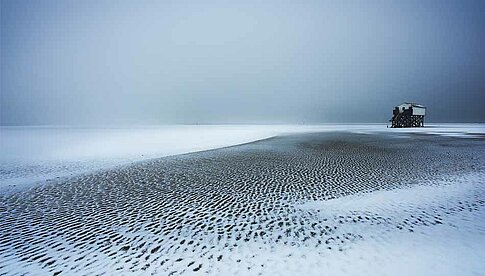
408 115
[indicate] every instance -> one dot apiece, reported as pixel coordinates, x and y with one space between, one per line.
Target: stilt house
408 115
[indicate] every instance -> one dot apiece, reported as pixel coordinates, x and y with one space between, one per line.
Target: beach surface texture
319 202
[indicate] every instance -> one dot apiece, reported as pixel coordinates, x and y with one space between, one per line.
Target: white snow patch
415 197
455 247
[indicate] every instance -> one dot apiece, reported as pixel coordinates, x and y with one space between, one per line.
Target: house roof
414 105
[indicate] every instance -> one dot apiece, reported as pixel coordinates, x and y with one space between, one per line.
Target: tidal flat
334 202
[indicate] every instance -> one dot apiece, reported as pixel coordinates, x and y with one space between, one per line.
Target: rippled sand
259 208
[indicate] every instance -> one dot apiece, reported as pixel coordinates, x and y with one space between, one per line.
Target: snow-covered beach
340 199
31 155
242 138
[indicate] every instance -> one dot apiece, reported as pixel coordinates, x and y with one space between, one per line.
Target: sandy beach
275 206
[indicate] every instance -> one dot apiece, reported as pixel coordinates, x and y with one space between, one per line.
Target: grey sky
151 62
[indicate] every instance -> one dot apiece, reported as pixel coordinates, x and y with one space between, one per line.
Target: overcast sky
159 62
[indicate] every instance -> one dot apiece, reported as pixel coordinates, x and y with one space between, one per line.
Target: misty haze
242 137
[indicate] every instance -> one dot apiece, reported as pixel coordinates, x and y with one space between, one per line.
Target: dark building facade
408 115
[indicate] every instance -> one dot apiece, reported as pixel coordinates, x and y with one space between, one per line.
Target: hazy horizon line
216 124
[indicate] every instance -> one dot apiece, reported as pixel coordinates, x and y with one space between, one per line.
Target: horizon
427 125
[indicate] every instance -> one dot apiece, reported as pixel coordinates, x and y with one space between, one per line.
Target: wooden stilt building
408 115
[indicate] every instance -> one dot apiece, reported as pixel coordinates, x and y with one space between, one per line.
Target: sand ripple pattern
212 212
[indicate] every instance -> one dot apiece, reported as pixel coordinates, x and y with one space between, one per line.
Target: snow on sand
455 247
313 204
30 155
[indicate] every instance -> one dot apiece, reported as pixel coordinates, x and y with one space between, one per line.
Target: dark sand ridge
181 213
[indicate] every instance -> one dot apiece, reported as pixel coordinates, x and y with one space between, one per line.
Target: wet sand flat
258 208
